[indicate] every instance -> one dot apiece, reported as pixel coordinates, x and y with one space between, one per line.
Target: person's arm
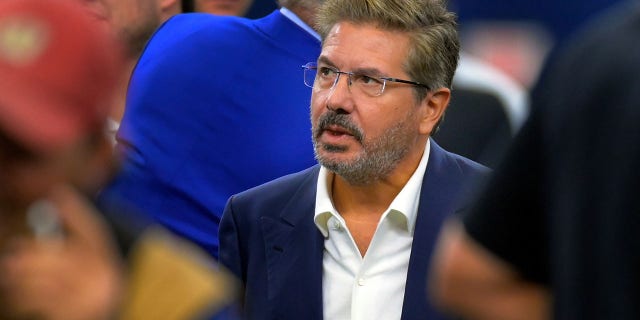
230 251
469 281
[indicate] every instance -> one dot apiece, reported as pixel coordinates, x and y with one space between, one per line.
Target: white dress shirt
369 287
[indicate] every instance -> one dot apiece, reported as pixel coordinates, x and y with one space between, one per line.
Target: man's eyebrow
373 72
325 60
369 71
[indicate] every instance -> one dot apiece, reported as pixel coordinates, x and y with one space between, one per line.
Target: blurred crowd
203 159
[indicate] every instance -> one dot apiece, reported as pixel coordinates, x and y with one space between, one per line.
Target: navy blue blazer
269 240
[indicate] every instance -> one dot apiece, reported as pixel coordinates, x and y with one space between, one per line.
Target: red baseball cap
59 68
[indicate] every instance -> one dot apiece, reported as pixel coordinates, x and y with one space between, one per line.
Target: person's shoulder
189 41
196 21
459 178
193 29
583 64
459 163
617 27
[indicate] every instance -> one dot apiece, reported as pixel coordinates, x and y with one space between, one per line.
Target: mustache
332 118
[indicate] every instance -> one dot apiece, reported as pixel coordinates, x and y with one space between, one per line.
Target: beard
378 157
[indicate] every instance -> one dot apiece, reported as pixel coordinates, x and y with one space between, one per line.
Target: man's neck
363 200
374 197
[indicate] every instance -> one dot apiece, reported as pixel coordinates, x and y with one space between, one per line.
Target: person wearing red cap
59 71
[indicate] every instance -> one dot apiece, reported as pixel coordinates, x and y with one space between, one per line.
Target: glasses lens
309 75
370 86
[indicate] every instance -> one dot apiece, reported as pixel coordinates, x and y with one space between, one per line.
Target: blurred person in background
517 36
58 70
209 94
62 256
555 234
486 111
133 22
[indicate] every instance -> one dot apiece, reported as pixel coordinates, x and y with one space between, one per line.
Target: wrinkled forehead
365 45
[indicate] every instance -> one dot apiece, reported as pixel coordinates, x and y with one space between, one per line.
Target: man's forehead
368 36
364 46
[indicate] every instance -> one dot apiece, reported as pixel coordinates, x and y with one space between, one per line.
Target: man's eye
364 79
326 72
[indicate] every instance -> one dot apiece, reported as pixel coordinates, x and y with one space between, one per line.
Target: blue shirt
216 105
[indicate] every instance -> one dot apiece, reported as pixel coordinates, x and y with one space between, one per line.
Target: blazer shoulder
468 166
461 164
274 191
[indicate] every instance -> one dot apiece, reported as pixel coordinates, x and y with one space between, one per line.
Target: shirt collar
295 19
406 202
324 205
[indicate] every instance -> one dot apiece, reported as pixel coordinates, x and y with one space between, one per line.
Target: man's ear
434 106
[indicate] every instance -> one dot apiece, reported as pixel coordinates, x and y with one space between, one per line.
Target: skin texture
373 144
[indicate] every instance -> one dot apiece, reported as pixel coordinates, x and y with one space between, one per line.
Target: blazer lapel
293 247
438 187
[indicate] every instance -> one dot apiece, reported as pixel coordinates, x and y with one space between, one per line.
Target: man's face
134 21
223 7
360 137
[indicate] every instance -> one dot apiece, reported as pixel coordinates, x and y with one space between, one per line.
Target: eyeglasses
324 77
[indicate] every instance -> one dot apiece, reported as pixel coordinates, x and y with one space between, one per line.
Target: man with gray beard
351 238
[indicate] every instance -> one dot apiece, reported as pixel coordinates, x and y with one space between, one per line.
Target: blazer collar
294 247
438 187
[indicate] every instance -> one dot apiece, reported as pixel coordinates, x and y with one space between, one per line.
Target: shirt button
335 225
361 282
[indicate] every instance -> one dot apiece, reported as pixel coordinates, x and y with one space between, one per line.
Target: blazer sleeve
229 252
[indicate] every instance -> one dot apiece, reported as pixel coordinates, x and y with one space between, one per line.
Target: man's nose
340 98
